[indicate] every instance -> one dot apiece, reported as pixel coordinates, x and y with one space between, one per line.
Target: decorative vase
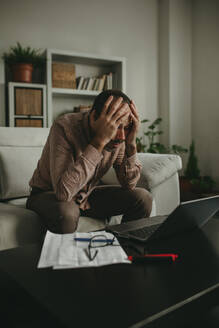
22 72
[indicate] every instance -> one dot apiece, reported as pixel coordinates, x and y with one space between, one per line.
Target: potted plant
22 61
192 181
153 146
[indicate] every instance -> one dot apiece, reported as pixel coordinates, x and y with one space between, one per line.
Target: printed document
62 251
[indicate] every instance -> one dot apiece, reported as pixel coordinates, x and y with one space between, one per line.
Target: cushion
20 150
20 202
17 165
19 227
23 137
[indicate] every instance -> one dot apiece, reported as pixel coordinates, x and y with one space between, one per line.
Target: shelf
74 92
28 116
26 85
60 100
82 58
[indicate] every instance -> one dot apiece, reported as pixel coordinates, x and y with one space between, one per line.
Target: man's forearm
97 144
130 150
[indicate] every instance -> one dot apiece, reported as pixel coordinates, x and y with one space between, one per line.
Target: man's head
123 128
103 96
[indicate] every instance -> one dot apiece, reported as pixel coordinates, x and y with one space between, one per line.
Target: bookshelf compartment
28 101
26 122
91 68
27 104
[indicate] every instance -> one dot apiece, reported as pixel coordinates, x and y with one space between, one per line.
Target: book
97 84
80 81
109 84
84 86
90 83
102 82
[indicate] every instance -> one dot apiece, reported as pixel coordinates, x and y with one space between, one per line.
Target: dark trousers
107 201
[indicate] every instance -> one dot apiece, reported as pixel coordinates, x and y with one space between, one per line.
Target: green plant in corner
192 171
153 146
199 184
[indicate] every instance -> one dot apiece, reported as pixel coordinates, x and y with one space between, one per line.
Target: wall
172 51
205 85
126 28
175 46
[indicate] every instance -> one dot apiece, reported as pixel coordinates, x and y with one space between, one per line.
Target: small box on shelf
63 75
82 108
26 122
28 101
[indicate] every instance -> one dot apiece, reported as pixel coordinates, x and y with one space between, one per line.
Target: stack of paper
63 251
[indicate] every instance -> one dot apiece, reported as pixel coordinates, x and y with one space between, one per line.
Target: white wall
205 85
158 37
175 46
126 28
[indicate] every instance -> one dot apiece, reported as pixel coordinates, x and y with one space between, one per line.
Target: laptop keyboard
144 232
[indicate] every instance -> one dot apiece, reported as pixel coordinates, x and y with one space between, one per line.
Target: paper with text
63 251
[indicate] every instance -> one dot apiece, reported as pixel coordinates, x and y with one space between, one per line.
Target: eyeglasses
96 242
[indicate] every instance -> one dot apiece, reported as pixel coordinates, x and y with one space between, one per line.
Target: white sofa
20 149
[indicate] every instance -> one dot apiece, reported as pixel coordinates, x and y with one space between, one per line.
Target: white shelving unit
86 65
28 116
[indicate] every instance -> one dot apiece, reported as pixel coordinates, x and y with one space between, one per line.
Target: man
80 149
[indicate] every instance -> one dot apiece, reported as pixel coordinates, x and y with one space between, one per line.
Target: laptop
186 216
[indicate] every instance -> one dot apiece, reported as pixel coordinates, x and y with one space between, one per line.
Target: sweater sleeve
68 174
128 169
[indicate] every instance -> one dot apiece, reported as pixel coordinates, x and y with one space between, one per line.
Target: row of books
101 83
82 108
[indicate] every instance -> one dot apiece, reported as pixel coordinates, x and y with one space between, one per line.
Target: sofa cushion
19 226
23 137
20 202
16 169
20 149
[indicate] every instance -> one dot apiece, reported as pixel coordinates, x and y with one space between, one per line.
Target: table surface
120 295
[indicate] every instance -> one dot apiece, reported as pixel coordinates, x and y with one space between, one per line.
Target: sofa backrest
20 150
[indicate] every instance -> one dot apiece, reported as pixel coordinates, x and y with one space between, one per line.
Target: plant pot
185 184
22 72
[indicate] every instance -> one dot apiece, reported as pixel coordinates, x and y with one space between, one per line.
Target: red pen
154 257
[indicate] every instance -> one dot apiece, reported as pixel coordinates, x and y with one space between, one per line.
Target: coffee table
122 295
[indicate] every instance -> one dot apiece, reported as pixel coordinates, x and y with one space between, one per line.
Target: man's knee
69 213
145 199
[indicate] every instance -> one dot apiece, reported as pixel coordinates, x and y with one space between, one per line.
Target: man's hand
105 127
131 136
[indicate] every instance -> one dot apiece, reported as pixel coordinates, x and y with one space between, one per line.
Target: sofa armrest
160 176
156 168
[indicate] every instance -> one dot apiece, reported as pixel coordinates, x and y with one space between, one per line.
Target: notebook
186 216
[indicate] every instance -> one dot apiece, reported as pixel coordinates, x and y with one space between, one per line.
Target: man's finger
121 111
134 110
114 107
106 105
122 118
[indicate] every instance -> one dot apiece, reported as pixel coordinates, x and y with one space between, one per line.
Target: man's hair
103 96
